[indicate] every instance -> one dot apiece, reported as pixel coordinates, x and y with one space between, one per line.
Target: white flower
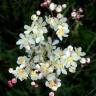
33 83
11 70
34 75
53 84
52 21
28 29
70 57
38 12
60 69
72 69
25 40
79 52
64 6
88 60
38 29
83 60
52 6
20 73
34 17
62 31
70 48
21 60
45 68
59 25
59 8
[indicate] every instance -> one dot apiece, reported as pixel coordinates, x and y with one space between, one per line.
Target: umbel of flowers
45 58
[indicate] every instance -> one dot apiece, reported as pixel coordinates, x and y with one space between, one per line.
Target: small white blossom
34 75
72 69
53 84
79 52
52 6
38 29
11 70
64 6
33 83
38 12
88 60
83 60
21 60
20 73
59 8
62 32
25 40
34 17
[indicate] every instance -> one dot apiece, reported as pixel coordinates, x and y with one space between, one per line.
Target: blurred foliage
13 15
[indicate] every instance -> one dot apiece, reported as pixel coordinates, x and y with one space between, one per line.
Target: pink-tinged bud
14 80
74 14
51 94
78 17
45 3
10 83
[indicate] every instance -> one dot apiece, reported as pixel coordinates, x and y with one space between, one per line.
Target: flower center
70 59
21 72
60 31
52 84
33 74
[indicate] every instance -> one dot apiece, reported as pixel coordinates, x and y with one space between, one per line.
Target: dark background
14 14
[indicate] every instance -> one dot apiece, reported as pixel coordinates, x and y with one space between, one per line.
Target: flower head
53 84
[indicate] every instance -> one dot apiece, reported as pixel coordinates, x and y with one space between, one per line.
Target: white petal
51 77
58 71
64 71
55 42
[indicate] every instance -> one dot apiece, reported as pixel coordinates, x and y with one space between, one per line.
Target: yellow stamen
52 84
60 31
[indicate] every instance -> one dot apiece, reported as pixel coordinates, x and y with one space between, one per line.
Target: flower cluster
77 14
45 58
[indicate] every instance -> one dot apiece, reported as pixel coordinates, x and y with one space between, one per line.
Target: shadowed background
14 14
